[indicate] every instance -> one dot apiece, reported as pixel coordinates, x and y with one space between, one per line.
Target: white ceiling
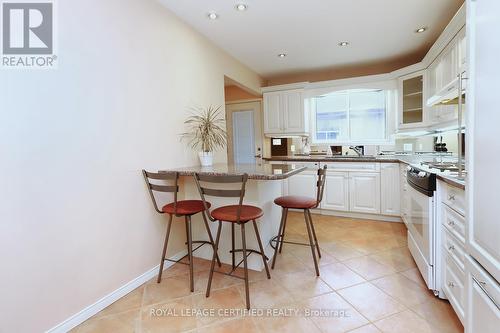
309 31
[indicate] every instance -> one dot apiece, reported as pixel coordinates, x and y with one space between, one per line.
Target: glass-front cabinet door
411 101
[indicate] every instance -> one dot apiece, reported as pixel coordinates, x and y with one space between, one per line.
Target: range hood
448 95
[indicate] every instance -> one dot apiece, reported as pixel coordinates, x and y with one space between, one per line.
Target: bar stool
306 204
235 214
186 208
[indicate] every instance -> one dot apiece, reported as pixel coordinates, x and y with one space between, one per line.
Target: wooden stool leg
244 245
190 252
257 235
311 242
233 256
164 248
217 238
284 226
210 236
314 232
279 238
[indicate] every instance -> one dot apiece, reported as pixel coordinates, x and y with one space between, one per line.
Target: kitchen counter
265 183
257 171
326 159
413 160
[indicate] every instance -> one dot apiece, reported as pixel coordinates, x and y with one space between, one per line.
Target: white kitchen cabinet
273 115
442 78
364 192
404 192
482 299
449 63
482 131
483 227
284 113
461 46
411 106
336 196
303 184
389 189
293 114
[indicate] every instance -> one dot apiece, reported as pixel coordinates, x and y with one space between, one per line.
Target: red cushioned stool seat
185 207
230 213
295 201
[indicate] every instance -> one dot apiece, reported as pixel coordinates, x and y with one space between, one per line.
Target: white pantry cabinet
483 221
364 192
390 189
336 194
284 113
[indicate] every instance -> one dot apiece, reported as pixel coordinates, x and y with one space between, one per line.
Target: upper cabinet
462 51
273 114
411 101
443 80
284 113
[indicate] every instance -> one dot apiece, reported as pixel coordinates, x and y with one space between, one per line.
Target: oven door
420 225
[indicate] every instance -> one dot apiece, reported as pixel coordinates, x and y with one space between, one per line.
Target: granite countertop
413 160
343 158
257 171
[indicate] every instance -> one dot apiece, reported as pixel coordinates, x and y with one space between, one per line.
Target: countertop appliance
423 229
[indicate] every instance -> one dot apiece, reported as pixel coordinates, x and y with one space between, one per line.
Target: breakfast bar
265 183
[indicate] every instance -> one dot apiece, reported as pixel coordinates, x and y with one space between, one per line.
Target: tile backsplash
415 144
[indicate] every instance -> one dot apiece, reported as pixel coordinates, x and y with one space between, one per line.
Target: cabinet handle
451 197
451 223
482 283
451 284
451 248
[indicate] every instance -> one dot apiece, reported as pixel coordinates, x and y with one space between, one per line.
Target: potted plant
205 131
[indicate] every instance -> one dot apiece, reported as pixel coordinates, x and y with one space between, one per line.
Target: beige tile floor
368 282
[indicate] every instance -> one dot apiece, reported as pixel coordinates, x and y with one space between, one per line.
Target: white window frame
390 87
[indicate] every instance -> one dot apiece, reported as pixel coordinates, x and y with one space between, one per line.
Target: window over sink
351 116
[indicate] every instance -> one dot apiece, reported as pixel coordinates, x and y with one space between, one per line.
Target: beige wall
76 222
235 93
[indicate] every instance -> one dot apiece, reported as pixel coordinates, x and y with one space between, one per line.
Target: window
357 115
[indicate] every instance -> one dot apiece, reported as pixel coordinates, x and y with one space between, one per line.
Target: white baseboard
112 297
376 217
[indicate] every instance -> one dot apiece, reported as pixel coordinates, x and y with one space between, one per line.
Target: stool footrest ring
249 252
275 240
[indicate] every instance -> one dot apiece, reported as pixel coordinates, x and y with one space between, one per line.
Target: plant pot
206 158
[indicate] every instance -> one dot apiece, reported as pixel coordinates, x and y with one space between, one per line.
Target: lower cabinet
482 300
352 191
336 194
364 192
353 187
390 189
403 187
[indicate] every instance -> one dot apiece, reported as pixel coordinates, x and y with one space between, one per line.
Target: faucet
357 150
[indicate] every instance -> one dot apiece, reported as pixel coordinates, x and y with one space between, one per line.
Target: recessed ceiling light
241 7
420 30
213 15
343 43
281 55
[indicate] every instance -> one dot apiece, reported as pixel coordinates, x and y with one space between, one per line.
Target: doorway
244 132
